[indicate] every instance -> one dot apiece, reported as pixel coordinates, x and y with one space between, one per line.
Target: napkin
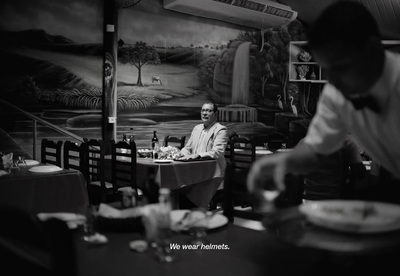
3 172
7 160
107 211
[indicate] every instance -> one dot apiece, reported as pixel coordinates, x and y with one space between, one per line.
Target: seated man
207 141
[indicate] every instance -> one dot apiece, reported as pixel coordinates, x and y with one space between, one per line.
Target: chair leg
217 198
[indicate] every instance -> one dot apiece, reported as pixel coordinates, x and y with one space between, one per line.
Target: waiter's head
346 42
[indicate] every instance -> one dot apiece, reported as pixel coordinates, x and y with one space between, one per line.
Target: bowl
144 153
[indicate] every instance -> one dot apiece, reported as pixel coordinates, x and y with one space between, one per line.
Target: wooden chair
123 169
175 141
73 156
218 197
99 190
237 200
228 146
51 152
276 139
29 245
260 140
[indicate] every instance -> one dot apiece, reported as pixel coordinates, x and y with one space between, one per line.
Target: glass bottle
154 144
124 138
131 137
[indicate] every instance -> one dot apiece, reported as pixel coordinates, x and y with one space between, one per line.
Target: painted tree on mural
276 45
139 55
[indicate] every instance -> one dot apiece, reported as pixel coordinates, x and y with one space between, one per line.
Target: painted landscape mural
52 57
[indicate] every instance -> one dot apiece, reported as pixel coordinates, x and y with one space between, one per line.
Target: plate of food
145 153
45 169
181 220
355 216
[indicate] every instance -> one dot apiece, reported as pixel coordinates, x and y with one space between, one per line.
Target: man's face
348 69
207 113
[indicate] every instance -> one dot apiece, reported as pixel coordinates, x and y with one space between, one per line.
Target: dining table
61 190
197 180
228 250
369 247
237 251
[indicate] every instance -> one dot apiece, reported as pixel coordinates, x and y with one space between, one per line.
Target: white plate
263 151
216 221
163 161
354 216
72 220
30 162
283 150
44 169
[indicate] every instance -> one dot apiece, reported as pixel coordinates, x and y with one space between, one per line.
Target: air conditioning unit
261 14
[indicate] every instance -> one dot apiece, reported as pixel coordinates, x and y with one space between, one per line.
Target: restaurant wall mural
52 55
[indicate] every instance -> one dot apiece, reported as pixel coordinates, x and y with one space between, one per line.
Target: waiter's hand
266 180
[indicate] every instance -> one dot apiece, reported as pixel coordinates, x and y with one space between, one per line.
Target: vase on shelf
302 71
312 75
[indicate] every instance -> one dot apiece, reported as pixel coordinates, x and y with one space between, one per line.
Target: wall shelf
296 47
314 75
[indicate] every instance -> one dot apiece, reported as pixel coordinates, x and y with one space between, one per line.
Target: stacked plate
353 216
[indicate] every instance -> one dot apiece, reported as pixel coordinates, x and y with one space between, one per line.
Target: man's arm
273 168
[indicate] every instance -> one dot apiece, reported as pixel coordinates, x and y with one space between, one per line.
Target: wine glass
198 226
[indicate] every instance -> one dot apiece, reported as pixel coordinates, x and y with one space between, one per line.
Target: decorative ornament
302 71
312 75
304 56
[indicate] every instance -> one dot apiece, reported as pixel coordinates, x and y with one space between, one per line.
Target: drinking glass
266 146
89 225
158 232
198 227
163 249
283 146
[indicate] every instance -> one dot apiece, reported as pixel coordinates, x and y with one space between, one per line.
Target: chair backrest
260 140
51 152
74 156
94 164
123 166
242 152
175 141
228 147
276 139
